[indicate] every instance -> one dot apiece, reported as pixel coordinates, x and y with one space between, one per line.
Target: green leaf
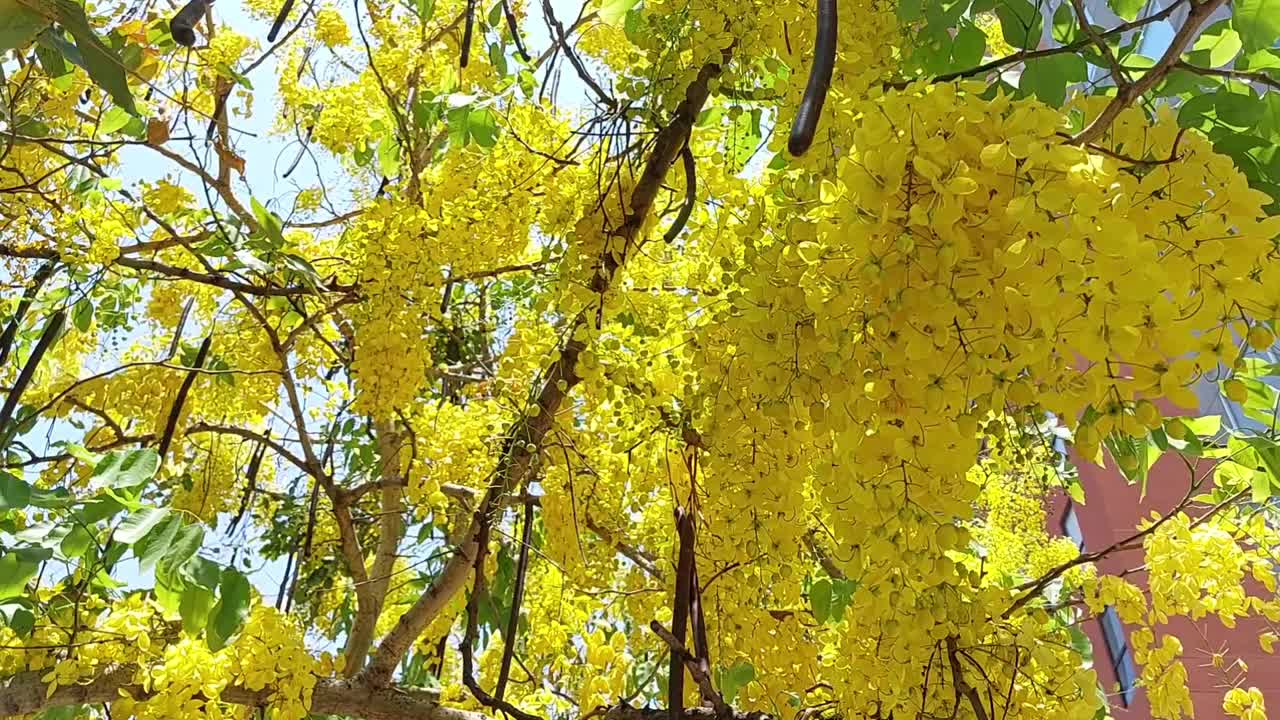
114 119
1260 402
194 607
820 599
458 120
1127 9
82 314
1080 642
1021 23
18 25
613 11
45 534
270 223
932 49
202 572
1257 21
1237 109
99 508
942 14
169 589
498 59
743 139
1065 26
362 153
231 610
76 542
15 571
104 65
735 678
123 498
841 594
969 47
633 24
185 544
528 83
1216 46
153 545
230 73
22 622
1207 426
426 9
15 493
482 125
1195 112
139 523
55 41
389 156
1269 454
495 15
1260 486
127 469
1134 456
1047 77
1268 59
1076 491
1183 83
426 113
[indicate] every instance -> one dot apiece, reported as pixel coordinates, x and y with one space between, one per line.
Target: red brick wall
1111 513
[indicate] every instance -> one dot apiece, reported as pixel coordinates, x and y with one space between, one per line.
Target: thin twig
517 598
1254 77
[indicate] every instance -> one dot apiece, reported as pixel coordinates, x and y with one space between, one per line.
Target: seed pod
815 91
183 25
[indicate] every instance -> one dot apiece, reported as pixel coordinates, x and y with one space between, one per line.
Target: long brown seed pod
680 609
28 297
50 334
172 424
815 92
183 25
281 16
514 27
467 30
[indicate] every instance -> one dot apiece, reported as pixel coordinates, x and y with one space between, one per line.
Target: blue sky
266 157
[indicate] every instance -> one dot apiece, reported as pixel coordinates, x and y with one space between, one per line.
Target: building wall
1113 508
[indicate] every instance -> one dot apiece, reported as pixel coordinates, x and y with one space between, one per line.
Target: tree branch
642 559
282 451
25 694
1254 77
1035 587
1024 55
682 655
205 278
963 688
1126 94
1083 18
390 528
223 189
559 379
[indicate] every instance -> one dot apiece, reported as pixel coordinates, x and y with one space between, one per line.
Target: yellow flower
331 29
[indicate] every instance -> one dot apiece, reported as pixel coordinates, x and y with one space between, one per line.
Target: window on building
1113 635
1071 526
1118 652
1214 402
